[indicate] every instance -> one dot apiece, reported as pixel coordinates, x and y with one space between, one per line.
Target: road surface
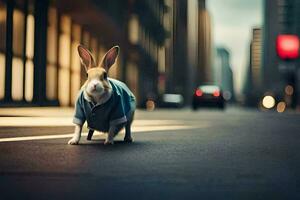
177 154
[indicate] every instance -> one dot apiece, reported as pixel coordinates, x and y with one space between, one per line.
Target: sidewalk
32 121
37 112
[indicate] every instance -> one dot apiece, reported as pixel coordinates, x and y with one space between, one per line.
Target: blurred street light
268 102
281 106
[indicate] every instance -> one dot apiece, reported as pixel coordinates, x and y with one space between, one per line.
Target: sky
232 23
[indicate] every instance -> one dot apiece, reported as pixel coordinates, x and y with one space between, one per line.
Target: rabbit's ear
110 57
86 57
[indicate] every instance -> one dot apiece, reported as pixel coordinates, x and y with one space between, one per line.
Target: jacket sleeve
79 116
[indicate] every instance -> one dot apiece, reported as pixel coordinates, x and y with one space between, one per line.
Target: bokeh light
289 90
281 106
268 102
150 105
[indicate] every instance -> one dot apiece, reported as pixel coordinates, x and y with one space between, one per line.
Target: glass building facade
39 63
40 66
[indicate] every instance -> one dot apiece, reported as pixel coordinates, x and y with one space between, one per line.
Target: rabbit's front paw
108 142
73 141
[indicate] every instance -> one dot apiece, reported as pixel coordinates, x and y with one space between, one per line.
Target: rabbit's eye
105 75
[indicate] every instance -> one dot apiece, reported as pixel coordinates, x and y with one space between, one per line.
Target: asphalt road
177 154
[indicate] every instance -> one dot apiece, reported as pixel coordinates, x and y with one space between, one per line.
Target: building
222 73
39 64
205 50
255 58
189 54
252 88
281 17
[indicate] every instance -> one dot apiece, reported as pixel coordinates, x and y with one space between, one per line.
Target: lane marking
35 121
134 129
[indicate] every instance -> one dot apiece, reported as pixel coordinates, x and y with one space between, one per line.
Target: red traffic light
287 46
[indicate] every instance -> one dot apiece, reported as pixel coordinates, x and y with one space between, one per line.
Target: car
208 96
171 101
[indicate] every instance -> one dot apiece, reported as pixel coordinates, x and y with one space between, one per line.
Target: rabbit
105 103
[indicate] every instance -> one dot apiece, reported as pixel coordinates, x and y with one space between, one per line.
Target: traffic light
287 46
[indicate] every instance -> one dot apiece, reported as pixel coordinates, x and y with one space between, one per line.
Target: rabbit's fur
98 90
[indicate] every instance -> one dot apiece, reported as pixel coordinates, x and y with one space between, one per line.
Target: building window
2 75
17 79
133 29
162 60
132 78
51 70
17 62
64 61
29 58
142 36
18 32
94 48
86 39
2 48
75 62
29 80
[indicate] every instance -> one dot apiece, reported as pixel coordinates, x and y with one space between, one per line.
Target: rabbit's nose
95 85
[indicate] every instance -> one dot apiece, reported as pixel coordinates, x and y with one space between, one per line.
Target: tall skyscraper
222 73
252 88
255 58
281 17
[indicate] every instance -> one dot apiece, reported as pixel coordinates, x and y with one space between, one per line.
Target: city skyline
234 33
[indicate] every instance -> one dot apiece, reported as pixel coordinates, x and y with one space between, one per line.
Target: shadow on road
99 144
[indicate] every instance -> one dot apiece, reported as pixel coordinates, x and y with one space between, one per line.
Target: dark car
208 96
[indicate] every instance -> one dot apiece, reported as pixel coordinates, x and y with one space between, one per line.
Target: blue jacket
115 110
